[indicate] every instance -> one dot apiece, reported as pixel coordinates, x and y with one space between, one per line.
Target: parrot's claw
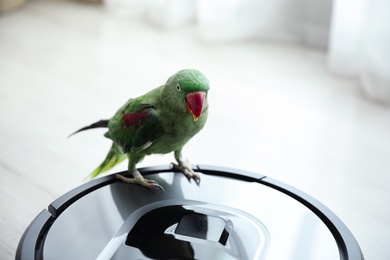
186 169
138 179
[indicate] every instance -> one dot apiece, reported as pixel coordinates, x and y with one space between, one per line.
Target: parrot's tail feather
101 123
114 156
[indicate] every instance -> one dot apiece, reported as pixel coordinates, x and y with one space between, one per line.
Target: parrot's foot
138 179
186 169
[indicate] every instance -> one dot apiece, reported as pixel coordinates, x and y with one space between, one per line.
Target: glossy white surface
275 109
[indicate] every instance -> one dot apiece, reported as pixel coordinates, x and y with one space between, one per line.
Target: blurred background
300 92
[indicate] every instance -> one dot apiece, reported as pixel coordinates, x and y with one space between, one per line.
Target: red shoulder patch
135 119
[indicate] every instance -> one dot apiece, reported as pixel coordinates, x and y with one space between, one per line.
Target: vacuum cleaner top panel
222 218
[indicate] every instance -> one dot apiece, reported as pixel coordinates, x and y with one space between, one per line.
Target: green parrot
159 122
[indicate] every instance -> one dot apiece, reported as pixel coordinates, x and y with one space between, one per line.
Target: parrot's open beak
195 103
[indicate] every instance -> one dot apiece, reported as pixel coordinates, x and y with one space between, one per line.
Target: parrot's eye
178 88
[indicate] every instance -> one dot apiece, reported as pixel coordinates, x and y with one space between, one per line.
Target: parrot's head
187 91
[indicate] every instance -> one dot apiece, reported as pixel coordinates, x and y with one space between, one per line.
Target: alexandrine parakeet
159 122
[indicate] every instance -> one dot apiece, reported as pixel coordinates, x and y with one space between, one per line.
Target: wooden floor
275 110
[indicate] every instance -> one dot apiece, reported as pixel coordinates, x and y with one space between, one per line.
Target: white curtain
360 44
355 33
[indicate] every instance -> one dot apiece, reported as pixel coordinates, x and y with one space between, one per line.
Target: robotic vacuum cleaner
232 214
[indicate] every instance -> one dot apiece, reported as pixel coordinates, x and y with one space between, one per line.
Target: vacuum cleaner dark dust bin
232 214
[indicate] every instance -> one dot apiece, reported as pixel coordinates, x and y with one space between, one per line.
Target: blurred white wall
356 33
297 21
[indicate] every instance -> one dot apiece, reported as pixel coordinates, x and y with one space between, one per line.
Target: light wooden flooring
275 110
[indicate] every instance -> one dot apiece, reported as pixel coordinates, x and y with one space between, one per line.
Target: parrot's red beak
195 103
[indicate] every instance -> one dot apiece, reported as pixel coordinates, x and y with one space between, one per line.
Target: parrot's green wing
135 126
133 129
